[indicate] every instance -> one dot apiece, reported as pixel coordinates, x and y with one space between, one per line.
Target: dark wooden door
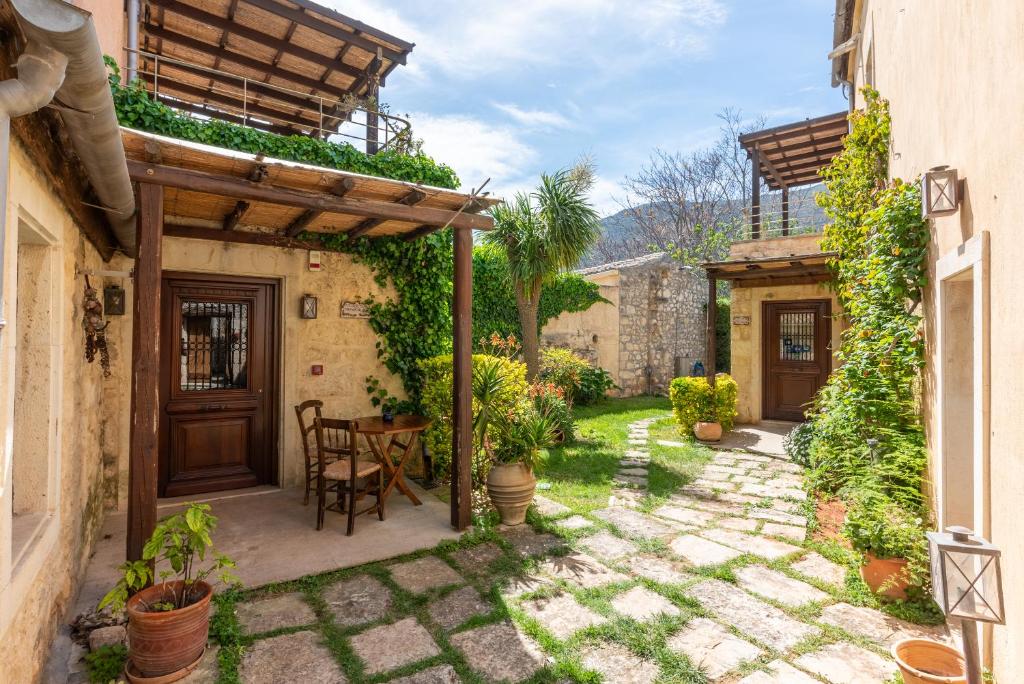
217 383
797 359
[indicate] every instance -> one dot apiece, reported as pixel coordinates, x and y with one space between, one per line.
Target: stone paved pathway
716 574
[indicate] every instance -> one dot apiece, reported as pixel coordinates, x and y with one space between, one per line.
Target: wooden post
462 390
373 124
711 355
755 194
785 210
145 378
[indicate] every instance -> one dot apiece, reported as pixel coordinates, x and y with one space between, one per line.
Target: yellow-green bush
694 400
437 401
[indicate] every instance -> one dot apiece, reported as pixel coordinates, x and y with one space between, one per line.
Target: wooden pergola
790 156
202 192
290 53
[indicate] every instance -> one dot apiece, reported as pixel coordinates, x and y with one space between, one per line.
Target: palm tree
542 233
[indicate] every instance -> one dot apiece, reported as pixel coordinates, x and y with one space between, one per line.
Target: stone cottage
652 328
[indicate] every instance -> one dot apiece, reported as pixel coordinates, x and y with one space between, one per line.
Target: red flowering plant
549 400
496 345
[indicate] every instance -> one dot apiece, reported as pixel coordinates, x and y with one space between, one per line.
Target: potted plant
923 661
707 411
893 543
515 446
168 622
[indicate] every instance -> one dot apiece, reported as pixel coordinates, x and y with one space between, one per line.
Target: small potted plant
514 447
168 622
893 543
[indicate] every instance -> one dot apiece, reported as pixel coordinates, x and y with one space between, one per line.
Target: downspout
133 41
41 72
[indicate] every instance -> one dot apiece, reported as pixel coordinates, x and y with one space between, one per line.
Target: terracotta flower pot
511 487
922 661
707 432
885 576
163 642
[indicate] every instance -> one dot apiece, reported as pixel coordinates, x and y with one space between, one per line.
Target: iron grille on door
796 336
214 345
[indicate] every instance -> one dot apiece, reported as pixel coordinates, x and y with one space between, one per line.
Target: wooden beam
303 19
711 353
319 8
417 233
766 162
240 188
197 108
340 189
755 194
143 447
779 282
462 391
256 175
255 36
412 199
240 236
757 271
306 103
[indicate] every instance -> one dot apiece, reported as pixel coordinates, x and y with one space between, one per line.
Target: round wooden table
384 437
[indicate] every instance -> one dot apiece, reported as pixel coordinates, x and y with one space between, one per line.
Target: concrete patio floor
764 438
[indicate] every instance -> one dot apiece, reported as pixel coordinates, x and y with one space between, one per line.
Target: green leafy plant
595 383
798 444
106 664
181 540
550 400
877 525
580 381
694 400
521 434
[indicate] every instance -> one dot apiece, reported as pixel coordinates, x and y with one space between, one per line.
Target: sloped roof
625 264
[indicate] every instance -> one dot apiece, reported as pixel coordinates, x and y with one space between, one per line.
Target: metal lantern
113 300
308 307
966 578
940 192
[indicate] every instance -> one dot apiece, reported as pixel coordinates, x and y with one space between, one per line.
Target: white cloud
476 149
607 196
533 118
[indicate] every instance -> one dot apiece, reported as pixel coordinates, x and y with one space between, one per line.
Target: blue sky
509 89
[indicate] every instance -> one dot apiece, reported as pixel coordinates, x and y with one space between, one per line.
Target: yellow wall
746 354
578 330
952 73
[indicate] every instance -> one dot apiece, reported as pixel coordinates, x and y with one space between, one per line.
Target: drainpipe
40 73
133 41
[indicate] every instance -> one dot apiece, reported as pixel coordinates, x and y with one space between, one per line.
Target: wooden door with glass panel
218 346
797 359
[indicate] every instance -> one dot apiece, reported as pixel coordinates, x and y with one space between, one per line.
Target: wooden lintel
777 281
340 189
417 233
410 200
240 236
243 189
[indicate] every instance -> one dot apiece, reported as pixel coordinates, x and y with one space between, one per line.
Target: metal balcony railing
779 218
216 93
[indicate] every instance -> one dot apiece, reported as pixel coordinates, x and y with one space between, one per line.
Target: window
796 336
214 345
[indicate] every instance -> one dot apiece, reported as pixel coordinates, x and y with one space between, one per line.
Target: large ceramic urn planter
707 432
885 576
922 661
165 642
511 487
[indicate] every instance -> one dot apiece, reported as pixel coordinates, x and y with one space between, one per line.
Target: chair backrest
304 427
334 436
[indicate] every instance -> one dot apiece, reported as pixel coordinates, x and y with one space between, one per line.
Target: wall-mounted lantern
967 583
940 192
308 309
113 300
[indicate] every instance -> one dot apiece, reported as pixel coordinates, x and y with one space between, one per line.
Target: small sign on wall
354 310
741 320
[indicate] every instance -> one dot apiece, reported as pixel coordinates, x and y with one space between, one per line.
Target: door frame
274 383
823 346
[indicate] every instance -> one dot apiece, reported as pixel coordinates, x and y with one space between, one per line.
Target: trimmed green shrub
437 401
694 400
798 444
580 382
595 382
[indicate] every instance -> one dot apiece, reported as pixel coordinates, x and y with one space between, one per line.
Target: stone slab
387 647
638 454
630 481
626 498
779 672
711 648
751 543
526 542
715 485
774 492
777 516
499 653
877 626
424 574
274 612
575 522
776 586
657 569
688 516
750 615
455 608
607 546
112 635
708 503
635 472
549 507
740 524
582 570
699 551
791 532
525 584
562 615
634 524
298 657
358 600
207 671
821 569
672 444
615 663
844 663
439 674
714 476
642 604
477 559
